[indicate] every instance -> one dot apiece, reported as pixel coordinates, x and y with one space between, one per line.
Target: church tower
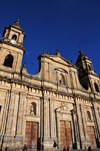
87 76
11 48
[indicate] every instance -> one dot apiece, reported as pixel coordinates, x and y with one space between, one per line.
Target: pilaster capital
23 94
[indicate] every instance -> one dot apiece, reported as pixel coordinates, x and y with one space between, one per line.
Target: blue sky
52 24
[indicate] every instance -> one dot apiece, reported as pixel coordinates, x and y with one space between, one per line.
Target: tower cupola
84 63
14 34
87 76
11 46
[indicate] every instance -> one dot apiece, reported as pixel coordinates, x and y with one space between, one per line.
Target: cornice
14 45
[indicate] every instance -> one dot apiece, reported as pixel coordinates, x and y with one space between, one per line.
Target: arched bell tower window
8 61
14 37
89 67
33 108
96 87
85 86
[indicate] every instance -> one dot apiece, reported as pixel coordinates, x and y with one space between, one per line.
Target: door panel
31 134
92 136
65 134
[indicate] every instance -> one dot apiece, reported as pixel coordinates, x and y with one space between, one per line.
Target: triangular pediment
61 70
62 60
59 59
63 108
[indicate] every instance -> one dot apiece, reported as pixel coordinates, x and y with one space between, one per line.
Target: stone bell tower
87 76
11 48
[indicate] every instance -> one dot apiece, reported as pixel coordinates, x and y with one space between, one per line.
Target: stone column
84 122
10 113
50 71
8 139
52 121
52 118
45 118
74 80
97 117
20 114
5 113
98 113
68 80
47 125
42 117
75 122
97 122
87 138
4 119
20 121
73 139
71 77
14 122
24 113
77 80
58 130
80 124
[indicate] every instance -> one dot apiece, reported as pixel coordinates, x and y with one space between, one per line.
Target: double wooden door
65 134
31 135
92 135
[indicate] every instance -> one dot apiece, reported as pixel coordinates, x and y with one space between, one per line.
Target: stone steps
96 149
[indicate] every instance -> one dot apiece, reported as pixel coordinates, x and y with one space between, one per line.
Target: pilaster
80 124
97 124
87 138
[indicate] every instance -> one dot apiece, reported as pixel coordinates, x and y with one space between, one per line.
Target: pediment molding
61 70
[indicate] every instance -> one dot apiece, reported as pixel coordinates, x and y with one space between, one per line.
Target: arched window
89 67
88 116
61 79
8 61
33 108
96 87
81 69
85 86
14 37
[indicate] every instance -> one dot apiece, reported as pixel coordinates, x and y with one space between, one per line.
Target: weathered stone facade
56 104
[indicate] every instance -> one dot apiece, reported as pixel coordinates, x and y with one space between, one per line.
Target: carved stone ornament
32 109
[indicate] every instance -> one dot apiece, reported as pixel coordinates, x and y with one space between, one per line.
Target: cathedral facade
61 102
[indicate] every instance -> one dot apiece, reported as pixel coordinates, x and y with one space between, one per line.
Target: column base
13 142
78 145
48 143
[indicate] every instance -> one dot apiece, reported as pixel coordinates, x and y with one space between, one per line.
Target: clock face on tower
13 41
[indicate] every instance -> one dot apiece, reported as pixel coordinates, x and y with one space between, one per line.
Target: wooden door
92 136
31 134
65 134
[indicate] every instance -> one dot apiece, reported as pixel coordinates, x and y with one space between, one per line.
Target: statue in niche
61 79
65 108
88 116
32 109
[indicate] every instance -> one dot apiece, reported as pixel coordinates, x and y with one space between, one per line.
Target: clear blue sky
52 24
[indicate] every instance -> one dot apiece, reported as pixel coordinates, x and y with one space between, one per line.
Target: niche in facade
88 116
8 61
33 108
61 79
